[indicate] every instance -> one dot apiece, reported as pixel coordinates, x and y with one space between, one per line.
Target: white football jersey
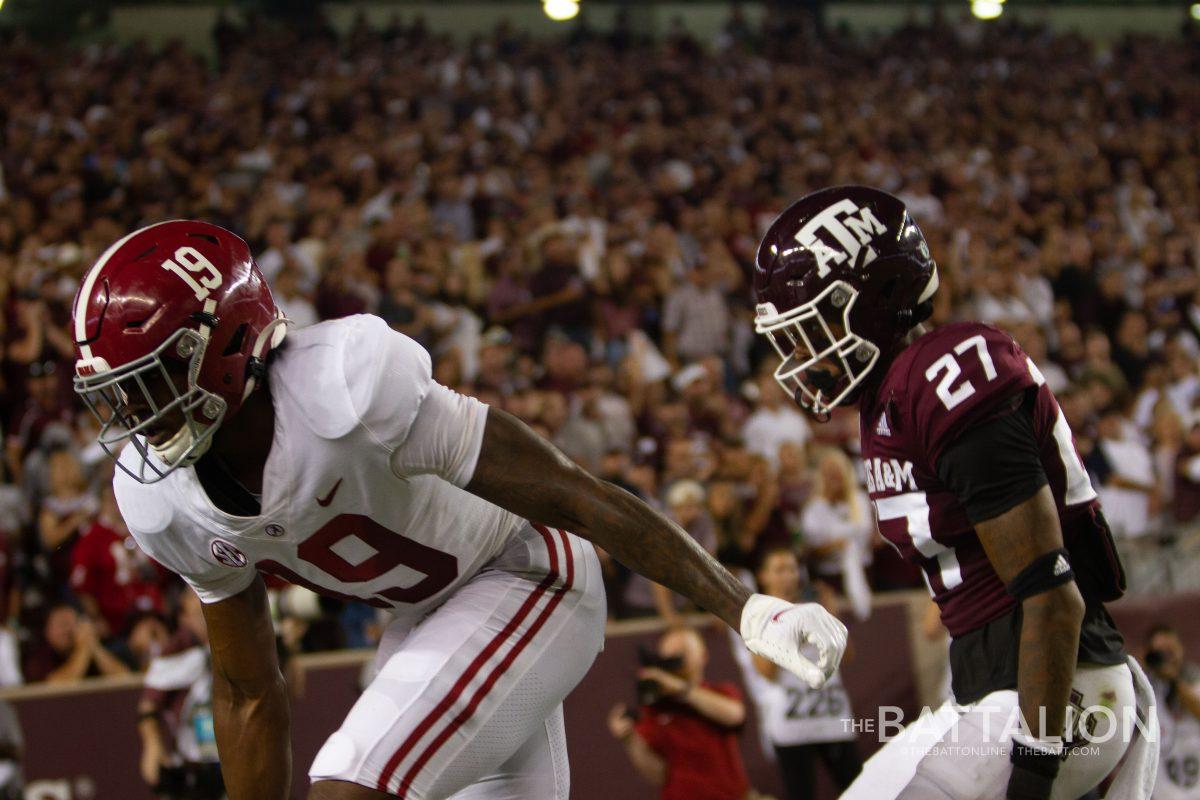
361 490
1179 748
792 713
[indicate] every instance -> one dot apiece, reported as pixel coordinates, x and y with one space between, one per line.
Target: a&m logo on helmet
852 228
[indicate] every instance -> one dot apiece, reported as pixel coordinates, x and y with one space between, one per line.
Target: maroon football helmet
172 324
841 277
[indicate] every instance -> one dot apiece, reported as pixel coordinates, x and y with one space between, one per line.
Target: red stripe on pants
500 669
474 667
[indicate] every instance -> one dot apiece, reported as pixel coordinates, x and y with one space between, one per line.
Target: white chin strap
270 337
172 450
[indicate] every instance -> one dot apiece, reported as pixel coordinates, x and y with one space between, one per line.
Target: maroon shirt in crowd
703 760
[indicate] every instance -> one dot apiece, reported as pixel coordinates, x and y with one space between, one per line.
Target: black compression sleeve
995 466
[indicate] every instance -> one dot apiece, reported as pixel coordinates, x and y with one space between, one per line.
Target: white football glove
776 629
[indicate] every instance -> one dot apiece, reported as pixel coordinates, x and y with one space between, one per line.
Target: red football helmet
172 324
841 277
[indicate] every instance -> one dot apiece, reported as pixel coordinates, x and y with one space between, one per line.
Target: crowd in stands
569 227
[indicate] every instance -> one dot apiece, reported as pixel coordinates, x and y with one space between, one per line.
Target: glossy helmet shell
858 248
179 289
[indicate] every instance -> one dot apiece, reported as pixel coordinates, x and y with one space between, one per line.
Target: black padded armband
1033 773
1046 572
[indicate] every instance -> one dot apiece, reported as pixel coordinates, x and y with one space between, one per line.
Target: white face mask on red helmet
173 325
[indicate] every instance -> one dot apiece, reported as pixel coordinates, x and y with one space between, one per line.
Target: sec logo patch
227 554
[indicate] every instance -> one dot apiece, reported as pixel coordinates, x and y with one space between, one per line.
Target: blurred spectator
836 529
776 421
685 741
148 635
42 408
1123 468
175 716
557 292
291 300
66 511
804 725
67 649
110 575
12 752
1176 683
1186 493
14 521
281 254
695 319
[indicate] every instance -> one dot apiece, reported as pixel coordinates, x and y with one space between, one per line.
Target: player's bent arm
995 470
1021 544
250 705
520 471
497 457
1051 619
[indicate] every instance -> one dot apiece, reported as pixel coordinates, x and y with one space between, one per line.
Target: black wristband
1047 571
1033 773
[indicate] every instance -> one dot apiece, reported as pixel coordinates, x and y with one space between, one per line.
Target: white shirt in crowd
270 263
1128 510
767 428
297 309
823 523
1178 749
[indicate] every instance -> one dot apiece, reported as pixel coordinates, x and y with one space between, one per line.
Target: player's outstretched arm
250 705
520 471
1024 545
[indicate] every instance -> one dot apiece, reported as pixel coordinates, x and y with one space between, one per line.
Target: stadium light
557 10
1195 10
987 9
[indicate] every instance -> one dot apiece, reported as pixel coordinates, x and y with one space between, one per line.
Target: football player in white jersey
332 459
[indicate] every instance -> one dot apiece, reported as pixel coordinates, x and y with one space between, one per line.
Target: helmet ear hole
236 341
922 312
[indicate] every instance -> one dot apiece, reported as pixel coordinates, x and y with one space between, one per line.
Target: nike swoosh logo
329 497
774 618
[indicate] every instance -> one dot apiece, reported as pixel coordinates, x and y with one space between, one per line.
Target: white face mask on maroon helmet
805 339
841 276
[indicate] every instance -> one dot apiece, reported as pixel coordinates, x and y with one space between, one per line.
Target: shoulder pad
311 370
142 506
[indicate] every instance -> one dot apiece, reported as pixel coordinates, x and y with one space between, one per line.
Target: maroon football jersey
943 384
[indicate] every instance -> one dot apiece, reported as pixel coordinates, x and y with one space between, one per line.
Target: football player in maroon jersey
974 476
